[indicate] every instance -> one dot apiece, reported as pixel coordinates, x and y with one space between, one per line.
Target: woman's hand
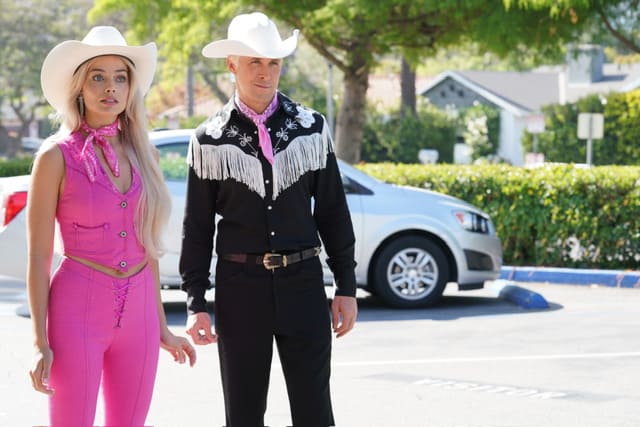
179 347
41 368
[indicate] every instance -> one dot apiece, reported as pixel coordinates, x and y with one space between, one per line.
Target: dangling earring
80 101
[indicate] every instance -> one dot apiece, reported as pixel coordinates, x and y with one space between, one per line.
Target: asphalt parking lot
476 360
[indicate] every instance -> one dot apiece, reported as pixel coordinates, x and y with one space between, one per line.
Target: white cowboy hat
65 58
252 34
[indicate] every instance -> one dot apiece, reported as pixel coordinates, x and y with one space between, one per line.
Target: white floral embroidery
290 124
233 131
289 107
214 127
282 134
305 117
246 140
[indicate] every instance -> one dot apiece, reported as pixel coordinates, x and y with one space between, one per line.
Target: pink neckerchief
258 120
88 154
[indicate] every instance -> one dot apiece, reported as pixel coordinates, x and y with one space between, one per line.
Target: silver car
409 242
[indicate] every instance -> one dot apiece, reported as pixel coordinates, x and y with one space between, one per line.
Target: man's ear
230 65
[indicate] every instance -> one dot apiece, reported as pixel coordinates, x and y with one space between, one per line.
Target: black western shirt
296 204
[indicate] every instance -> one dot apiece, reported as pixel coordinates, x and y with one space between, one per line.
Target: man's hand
199 329
344 311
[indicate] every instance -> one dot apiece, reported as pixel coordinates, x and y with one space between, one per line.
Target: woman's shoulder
49 157
57 146
51 147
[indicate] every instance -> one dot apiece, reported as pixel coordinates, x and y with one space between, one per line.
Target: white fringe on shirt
219 162
304 153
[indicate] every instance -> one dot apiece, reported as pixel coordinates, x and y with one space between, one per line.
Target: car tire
411 272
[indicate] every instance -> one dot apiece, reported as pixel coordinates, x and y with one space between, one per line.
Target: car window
351 186
173 160
345 184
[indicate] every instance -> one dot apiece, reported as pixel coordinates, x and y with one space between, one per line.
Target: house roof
615 78
525 92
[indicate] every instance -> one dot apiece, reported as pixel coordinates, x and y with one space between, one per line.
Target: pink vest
96 220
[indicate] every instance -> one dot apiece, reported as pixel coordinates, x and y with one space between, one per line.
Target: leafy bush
621 131
391 137
559 142
174 168
559 215
16 166
481 130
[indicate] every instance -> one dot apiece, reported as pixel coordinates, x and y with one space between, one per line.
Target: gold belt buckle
268 261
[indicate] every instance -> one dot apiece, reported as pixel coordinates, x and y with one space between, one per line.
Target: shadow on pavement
371 309
449 308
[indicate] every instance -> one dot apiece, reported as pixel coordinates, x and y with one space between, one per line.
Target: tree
28 30
407 88
180 32
604 18
353 34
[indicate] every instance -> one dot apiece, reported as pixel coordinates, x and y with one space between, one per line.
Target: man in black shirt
266 166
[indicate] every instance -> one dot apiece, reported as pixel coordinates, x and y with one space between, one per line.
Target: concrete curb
569 276
523 297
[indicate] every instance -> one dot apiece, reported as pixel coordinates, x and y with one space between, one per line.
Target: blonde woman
98 321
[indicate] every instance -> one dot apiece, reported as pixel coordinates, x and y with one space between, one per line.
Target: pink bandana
88 153
258 120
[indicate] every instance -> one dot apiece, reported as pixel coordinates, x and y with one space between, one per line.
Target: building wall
511 129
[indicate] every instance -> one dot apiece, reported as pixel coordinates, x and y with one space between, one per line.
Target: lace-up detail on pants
120 292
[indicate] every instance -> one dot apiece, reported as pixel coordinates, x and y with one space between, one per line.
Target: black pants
254 306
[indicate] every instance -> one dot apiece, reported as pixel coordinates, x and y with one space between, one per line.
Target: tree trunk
351 115
4 140
407 89
189 93
211 80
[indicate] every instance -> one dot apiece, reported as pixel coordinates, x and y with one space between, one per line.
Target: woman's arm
179 347
47 179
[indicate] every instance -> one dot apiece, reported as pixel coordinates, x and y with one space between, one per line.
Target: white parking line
489 359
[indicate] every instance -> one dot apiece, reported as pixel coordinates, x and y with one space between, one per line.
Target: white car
409 242
13 227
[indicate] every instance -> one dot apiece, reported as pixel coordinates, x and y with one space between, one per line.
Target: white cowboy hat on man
255 35
65 58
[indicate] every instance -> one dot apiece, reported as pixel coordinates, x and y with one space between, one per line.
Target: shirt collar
285 103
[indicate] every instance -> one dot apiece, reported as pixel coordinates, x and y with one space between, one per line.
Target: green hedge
561 215
17 166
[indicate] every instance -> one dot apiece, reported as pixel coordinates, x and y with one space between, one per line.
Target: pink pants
102 328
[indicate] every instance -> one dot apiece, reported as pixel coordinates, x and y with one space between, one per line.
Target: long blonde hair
153 211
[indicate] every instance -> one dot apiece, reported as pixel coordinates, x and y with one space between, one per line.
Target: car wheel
410 272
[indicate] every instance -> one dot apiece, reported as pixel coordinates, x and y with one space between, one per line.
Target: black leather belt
271 261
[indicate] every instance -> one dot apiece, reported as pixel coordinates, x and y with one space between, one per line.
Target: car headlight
473 222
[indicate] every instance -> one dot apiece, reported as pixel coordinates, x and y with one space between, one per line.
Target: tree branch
627 42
